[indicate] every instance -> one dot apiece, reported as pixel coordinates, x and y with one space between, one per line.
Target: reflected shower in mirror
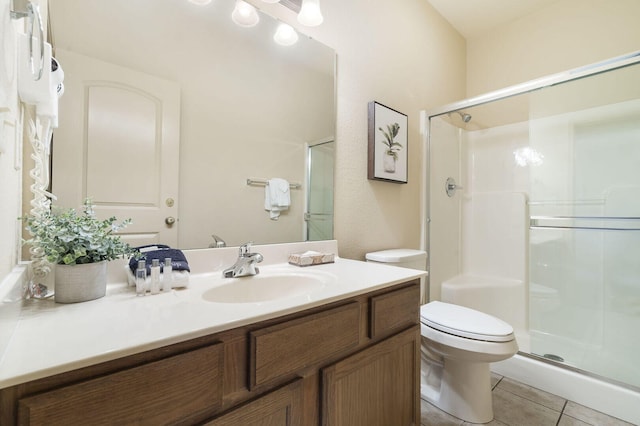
170 107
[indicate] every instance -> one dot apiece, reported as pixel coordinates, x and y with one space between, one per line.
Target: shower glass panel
546 224
319 214
584 252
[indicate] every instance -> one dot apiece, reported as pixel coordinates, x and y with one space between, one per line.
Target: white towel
277 197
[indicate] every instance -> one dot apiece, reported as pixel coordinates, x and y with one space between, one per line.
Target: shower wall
480 230
495 202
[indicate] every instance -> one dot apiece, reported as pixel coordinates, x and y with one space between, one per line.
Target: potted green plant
392 147
80 245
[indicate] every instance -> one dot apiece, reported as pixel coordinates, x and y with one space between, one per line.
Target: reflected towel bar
264 182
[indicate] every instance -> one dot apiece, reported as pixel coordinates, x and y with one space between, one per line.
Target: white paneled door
118 144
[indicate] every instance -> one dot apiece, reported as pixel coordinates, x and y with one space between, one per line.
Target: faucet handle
245 248
217 241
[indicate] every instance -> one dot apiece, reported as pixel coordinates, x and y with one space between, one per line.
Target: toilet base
460 388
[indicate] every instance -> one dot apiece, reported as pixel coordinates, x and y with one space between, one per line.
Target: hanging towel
277 197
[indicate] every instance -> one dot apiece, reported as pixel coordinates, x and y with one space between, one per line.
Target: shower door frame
510 91
309 215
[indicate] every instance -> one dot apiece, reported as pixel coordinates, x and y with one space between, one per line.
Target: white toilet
458 344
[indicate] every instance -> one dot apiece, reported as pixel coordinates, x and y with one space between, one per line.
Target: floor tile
493 422
516 404
591 416
495 379
532 394
515 410
570 421
433 416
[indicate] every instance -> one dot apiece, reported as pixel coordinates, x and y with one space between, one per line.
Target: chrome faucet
245 265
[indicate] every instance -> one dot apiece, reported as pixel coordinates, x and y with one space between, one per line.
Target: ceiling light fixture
285 35
245 14
310 14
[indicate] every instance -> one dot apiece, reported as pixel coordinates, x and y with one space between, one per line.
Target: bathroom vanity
342 359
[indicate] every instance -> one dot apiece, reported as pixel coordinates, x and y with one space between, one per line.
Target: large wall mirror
175 116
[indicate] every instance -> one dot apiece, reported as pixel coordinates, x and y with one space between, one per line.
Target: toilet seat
464 322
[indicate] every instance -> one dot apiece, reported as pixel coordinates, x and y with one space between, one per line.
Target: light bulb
200 2
285 35
310 14
244 14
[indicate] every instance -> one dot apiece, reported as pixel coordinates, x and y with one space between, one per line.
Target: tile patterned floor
516 404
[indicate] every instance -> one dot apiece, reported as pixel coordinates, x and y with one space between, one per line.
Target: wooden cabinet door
282 407
377 386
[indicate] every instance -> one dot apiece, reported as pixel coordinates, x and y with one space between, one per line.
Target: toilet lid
465 322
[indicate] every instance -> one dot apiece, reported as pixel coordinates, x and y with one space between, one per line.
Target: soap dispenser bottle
155 276
141 278
167 275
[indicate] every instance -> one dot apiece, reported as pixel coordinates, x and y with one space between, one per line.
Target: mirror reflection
170 109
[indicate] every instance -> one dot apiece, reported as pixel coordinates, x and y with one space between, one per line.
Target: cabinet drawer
284 349
394 311
156 393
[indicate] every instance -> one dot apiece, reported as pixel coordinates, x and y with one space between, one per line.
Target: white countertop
53 338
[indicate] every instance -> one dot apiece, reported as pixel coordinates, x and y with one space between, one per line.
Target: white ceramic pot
80 283
389 163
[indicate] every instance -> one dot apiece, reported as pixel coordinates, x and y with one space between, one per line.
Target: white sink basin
268 286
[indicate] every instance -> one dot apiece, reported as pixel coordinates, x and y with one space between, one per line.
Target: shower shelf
603 223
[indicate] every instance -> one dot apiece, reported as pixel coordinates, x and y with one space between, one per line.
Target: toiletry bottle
167 275
155 276
141 278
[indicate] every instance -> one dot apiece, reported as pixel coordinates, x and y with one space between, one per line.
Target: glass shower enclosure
319 204
548 179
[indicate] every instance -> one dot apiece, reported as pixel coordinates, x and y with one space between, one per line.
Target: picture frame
388 144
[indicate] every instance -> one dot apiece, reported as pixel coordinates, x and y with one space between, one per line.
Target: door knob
170 220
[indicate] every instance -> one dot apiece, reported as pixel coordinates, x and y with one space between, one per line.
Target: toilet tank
404 258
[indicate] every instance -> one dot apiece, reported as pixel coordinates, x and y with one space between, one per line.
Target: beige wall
406 56
565 35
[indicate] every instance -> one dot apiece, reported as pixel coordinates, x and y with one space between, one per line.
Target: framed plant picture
388 144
